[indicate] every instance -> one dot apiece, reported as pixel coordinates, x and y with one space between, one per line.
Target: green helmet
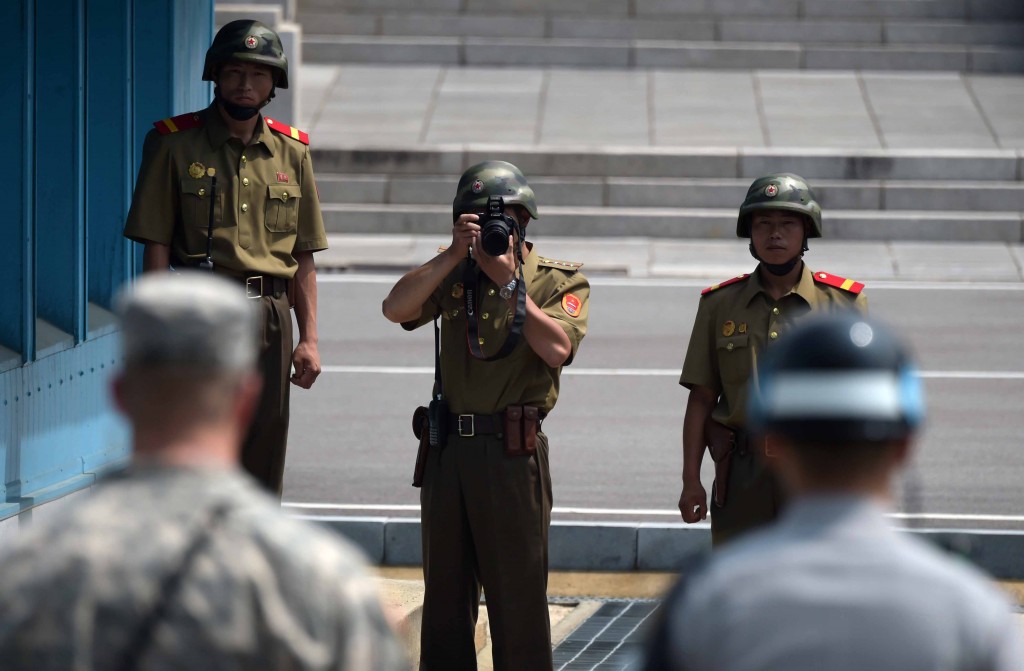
493 178
780 191
249 41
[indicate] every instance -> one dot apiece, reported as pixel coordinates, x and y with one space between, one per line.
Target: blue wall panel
94 76
59 173
109 148
17 310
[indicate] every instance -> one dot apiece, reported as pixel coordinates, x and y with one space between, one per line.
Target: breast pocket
195 203
282 213
734 358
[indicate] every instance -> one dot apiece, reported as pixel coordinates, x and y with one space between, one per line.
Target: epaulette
561 265
838 282
285 129
181 122
726 283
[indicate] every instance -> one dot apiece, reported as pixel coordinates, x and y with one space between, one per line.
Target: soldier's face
777 235
245 84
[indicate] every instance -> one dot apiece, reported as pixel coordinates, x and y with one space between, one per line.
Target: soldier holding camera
509 320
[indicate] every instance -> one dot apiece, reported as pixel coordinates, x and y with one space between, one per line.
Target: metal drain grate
610 640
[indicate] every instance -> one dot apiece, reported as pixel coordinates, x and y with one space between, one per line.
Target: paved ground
408 106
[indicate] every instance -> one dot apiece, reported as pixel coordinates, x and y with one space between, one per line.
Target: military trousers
755 498
485 519
265 445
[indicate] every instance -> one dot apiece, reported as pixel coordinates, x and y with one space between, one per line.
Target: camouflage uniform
264 591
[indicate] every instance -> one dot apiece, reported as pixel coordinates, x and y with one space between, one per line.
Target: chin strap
240 112
779 269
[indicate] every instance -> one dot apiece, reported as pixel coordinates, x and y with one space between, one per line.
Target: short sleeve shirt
736 324
472 385
265 204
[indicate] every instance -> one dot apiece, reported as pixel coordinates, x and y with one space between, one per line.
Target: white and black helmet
838 378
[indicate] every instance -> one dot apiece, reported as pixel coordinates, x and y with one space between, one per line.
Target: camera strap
438 384
470 281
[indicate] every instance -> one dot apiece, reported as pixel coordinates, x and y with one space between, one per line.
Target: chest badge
457 290
572 305
728 328
196 170
282 178
742 328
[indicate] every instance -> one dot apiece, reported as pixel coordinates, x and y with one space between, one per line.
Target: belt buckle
251 290
472 426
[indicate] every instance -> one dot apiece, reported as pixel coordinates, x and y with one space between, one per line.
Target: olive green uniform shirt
522 378
266 205
735 324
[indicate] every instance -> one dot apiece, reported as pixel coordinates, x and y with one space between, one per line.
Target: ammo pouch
721 442
521 425
421 429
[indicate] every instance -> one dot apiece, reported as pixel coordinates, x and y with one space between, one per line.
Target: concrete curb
641 546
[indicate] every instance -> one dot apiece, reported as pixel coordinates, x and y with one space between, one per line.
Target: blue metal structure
86 82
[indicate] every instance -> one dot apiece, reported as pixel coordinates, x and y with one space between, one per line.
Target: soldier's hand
501 269
464 234
306 361
693 502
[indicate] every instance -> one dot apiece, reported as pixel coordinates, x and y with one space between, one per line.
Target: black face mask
239 112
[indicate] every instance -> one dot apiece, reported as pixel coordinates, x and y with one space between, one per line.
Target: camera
495 227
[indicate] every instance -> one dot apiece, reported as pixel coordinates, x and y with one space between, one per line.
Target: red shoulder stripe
838 282
180 122
285 129
725 283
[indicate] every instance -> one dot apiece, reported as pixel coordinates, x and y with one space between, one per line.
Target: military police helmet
781 191
248 41
838 378
493 178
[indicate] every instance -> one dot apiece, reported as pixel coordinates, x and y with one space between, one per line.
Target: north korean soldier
832 585
510 319
737 321
231 190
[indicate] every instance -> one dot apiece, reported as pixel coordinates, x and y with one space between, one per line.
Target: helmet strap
238 112
778 269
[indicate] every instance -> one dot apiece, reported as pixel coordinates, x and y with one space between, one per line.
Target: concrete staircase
625 119
918 35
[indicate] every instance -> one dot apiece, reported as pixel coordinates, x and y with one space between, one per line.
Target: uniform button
490 292
773 335
486 315
243 158
481 340
284 196
202 192
245 181
730 347
776 311
455 313
245 207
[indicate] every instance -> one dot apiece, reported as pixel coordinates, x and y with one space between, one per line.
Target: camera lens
494 236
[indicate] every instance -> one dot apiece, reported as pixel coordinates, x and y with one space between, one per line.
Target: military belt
258 286
474 425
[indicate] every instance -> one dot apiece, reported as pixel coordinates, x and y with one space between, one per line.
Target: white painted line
700 283
659 372
640 512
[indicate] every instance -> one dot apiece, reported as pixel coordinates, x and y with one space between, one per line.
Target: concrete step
503 51
690 223
713 163
766 29
383 189
783 9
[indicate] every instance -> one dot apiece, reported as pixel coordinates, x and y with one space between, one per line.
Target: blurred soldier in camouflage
182 561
